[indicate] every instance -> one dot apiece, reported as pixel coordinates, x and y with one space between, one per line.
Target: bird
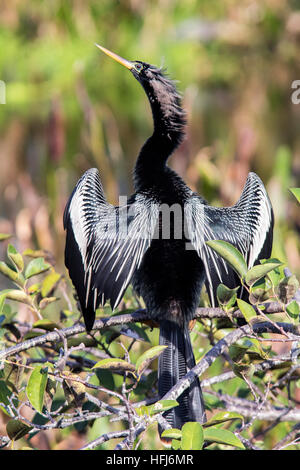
157 240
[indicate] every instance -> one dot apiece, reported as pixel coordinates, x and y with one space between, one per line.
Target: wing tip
89 319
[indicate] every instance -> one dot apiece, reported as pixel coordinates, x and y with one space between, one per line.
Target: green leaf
237 351
34 253
73 388
15 257
18 296
244 370
36 387
4 394
259 291
47 301
4 236
158 407
212 402
32 334
142 410
287 288
231 255
255 347
13 374
16 429
147 357
226 297
293 310
45 324
247 310
114 364
8 272
162 405
34 288
274 275
296 192
222 417
258 271
36 266
176 444
2 302
192 436
49 283
8 313
172 433
222 436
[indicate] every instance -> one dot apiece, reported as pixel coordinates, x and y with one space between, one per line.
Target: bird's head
160 90
142 71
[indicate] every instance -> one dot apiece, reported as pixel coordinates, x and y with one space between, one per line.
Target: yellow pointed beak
126 63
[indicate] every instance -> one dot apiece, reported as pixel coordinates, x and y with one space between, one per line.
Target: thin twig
105 437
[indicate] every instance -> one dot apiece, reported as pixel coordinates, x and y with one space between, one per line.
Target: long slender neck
169 123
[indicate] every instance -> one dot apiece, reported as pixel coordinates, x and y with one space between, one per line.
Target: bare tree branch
101 323
220 348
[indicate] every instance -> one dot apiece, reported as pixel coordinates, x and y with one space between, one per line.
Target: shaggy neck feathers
169 124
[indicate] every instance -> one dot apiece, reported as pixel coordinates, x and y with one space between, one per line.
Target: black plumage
157 240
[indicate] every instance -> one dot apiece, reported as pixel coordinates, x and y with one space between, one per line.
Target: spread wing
105 244
248 225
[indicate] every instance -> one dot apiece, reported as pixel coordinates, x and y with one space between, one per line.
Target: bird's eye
138 67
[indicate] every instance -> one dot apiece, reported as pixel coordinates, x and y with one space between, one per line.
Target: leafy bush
102 386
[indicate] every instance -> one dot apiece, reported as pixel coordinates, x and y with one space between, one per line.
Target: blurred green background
69 107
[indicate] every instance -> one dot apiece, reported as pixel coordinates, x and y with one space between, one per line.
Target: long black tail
174 363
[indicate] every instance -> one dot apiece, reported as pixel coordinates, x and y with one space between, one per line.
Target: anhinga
108 247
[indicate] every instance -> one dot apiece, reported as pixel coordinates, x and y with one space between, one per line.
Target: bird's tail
174 363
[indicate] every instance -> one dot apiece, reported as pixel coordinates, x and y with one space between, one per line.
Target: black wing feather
248 225
105 244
